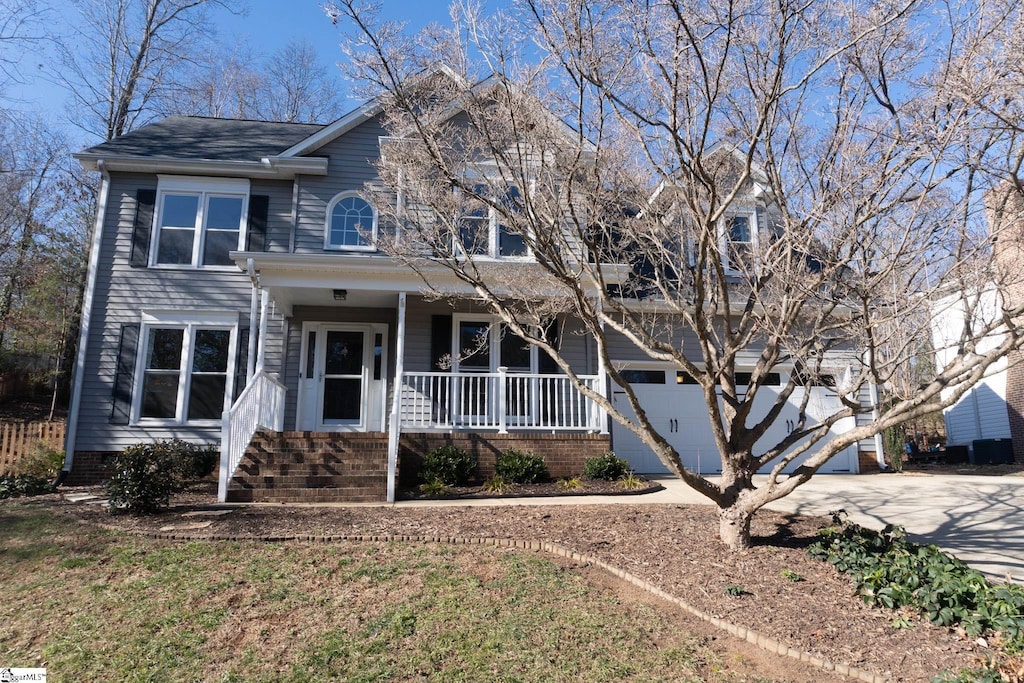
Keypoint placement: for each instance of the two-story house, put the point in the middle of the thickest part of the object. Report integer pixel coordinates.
(236, 288)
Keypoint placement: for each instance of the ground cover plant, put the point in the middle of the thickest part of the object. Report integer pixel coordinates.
(890, 571)
(91, 604)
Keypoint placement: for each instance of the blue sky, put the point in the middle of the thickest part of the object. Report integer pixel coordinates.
(266, 26)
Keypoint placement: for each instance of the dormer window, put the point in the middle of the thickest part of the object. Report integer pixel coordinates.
(351, 224)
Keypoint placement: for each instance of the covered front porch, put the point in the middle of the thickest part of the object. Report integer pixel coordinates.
(363, 351)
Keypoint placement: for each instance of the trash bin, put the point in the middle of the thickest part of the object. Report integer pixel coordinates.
(955, 454)
(992, 452)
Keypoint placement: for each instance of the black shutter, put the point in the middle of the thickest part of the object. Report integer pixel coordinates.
(124, 374)
(552, 333)
(440, 343)
(145, 203)
(259, 206)
(242, 364)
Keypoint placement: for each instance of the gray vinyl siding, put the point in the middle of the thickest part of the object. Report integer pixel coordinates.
(622, 349)
(350, 167)
(279, 213)
(121, 293)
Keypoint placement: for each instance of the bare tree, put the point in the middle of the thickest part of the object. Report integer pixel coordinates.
(21, 27)
(638, 134)
(125, 57)
(291, 85)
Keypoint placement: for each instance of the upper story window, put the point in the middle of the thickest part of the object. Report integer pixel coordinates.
(199, 221)
(738, 240)
(351, 223)
(482, 230)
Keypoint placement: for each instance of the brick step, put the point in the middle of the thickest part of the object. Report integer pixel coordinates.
(347, 494)
(310, 481)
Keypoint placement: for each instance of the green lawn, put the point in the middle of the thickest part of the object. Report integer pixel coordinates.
(96, 605)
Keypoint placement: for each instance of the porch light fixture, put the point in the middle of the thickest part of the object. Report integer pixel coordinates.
(340, 294)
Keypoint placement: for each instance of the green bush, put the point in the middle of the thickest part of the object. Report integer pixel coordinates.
(41, 462)
(192, 461)
(17, 485)
(608, 466)
(146, 474)
(892, 572)
(517, 467)
(448, 465)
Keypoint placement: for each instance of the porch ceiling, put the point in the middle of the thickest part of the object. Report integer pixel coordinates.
(285, 298)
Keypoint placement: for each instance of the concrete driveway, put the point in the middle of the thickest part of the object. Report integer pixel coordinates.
(978, 519)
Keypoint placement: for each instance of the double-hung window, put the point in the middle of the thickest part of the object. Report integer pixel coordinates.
(186, 363)
(485, 227)
(199, 221)
(738, 240)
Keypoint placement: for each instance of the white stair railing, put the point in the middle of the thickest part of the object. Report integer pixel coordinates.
(260, 406)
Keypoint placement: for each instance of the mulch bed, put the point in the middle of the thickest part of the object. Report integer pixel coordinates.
(585, 487)
(674, 547)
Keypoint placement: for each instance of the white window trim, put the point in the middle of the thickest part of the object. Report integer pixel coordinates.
(205, 188)
(493, 341)
(372, 246)
(750, 213)
(188, 320)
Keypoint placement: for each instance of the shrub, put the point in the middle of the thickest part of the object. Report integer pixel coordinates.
(146, 474)
(608, 466)
(449, 465)
(192, 461)
(41, 462)
(517, 467)
(16, 485)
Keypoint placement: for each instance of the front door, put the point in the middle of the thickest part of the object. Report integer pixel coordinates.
(343, 378)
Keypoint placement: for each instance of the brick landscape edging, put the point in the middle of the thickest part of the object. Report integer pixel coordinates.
(760, 640)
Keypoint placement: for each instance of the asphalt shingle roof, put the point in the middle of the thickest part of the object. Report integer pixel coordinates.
(191, 137)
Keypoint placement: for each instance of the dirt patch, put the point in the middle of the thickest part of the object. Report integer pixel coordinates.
(786, 595)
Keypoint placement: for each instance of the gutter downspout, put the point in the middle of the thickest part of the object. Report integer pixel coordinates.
(83, 330)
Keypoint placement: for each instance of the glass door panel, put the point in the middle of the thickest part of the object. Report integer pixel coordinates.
(343, 376)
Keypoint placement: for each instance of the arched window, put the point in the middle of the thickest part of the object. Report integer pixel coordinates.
(351, 223)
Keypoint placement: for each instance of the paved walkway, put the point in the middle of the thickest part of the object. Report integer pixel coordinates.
(978, 519)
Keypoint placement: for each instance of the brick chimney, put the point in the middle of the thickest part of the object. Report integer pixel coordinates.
(1005, 213)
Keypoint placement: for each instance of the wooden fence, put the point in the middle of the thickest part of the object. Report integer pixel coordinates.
(18, 440)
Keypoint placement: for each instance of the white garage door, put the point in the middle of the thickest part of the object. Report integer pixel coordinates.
(678, 411)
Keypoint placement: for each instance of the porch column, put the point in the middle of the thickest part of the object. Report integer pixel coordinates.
(395, 426)
(250, 358)
(602, 377)
(261, 355)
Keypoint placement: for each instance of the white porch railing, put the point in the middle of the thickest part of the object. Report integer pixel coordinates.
(260, 405)
(497, 400)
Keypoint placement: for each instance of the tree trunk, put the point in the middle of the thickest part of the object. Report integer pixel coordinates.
(734, 524)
